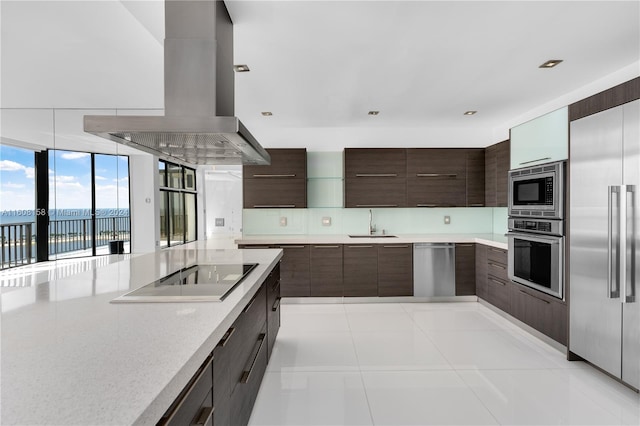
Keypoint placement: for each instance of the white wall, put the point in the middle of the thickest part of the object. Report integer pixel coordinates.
(145, 210)
(222, 199)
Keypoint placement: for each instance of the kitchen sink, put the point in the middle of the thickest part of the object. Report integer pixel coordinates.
(372, 236)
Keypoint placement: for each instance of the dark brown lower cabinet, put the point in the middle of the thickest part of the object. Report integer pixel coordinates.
(326, 271)
(273, 308)
(465, 269)
(395, 270)
(360, 267)
(544, 313)
(295, 271)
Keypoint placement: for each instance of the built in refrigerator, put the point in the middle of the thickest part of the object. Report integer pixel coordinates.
(604, 179)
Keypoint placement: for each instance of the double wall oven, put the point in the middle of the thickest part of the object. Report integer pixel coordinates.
(536, 227)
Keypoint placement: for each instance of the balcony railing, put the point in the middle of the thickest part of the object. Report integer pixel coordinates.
(68, 235)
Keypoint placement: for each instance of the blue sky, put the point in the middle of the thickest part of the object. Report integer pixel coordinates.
(69, 180)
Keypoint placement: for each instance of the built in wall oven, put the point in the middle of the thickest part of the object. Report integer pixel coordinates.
(536, 254)
(537, 191)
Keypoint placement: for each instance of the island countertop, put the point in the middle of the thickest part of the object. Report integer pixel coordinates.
(68, 356)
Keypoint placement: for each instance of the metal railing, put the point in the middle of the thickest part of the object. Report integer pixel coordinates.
(18, 241)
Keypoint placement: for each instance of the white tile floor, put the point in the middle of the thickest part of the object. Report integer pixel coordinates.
(427, 364)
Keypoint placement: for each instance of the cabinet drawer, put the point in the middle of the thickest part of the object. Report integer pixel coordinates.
(499, 293)
(273, 309)
(498, 270)
(539, 311)
(376, 192)
(195, 401)
(497, 255)
(275, 193)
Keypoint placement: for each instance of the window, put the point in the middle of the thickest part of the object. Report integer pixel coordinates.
(177, 204)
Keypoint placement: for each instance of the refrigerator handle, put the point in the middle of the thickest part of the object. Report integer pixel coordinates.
(629, 284)
(613, 244)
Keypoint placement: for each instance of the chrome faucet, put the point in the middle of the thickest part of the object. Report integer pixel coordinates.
(372, 227)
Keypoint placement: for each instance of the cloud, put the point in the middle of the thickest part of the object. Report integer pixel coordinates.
(100, 178)
(13, 185)
(12, 166)
(64, 179)
(74, 155)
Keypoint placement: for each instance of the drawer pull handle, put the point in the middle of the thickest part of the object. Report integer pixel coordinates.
(319, 247)
(360, 246)
(274, 176)
(271, 206)
(448, 175)
(276, 305)
(464, 245)
(497, 265)
(497, 281)
(535, 297)
(253, 299)
(497, 250)
(533, 161)
(376, 174)
(293, 247)
(205, 415)
(426, 205)
(376, 205)
(275, 285)
(246, 374)
(476, 205)
(226, 337)
(192, 384)
(404, 246)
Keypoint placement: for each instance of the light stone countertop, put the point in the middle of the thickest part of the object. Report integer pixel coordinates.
(494, 240)
(68, 356)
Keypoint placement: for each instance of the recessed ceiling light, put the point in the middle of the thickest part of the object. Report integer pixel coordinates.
(373, 112)
(241, 68)
(550, 63)
(266, 113)
(470, 112)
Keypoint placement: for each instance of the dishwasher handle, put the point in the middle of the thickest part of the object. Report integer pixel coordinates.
(434, 245)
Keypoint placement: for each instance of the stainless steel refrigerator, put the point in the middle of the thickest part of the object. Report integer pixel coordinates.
(603, 223)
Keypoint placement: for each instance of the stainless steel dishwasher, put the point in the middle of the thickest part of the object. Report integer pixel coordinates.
(434, 269)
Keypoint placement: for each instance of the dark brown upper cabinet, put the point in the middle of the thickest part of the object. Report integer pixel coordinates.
(497, 163)
(283, 184)
(375, 177)
(436, 177)
(475, 177)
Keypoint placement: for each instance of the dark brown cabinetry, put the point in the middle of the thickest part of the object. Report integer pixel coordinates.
(395, 270)
(375, 177)
(283, 184)
(498, 283)
(475, 178)
(497, 163)
(326, 270)
(295, 271)
(465, 269)
(360, 267)
(273, 308)
(481, 271)
(436, 177)
(540, 311)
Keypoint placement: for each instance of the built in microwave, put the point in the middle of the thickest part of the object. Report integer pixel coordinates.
(537, 191)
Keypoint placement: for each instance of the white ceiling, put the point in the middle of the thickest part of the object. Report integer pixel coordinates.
(319, 66)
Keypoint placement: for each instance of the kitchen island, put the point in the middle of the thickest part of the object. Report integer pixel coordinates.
(69, 356)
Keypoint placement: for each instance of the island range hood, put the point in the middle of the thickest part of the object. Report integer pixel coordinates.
(199, 126)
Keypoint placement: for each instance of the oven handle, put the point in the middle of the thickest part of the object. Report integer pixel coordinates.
(551, 239)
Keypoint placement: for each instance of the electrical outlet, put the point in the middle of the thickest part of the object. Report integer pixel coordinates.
(283, 221)
(326, 221)
(219, 221)
(447, 220)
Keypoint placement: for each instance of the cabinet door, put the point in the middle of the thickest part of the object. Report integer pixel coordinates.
(540, 311)
(274, 193)
(490, 176)
(374, 162)
(436, 177)
(395, 270)
(541, 140)
(326, 271)
(502, 173)
(371, 191)
(273, 308)
(481, 271)
(295, 272)
(465, 269)
(291, 163)
(475, 178)
(196, 401)
(360, 270)
(499, 293)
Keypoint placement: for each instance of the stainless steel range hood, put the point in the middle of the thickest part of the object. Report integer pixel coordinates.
(199, 126)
